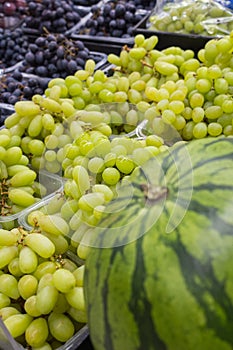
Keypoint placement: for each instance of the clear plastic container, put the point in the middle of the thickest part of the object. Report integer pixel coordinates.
(52, 183)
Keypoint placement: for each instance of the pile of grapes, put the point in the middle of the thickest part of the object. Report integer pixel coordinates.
(16, 86)
(13, 47)
(115, 19)
(195, 17)
(54, 55)
(56, 16)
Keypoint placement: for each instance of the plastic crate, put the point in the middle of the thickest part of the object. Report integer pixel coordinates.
(167, 39)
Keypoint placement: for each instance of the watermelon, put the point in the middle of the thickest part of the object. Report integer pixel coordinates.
(159, 275)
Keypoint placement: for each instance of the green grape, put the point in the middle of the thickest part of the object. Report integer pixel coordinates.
(179, 123)
(37, 332)
(40, 244)
(4, 140)
(47, 121)
(8, 311)
(53, 224)
(227, 106)
(228, 130)
(124, 164)
(12, 120)
(8, 238)
(111, 176)
(79, 275)
(214, 72)
(2, 153)
(60, 242)
(221, 86)
(43, 268)
(196, 100)
(15, 141)
(62, 305)
(35, 126)
(198, 114)
(51, 141)
(168, 116)
(229, 77)
(46, 299)
(105, 95)
(23, 178)
(69, 208)
(187, 132)
(176, 106)
(30, 306)
(203, 85)
(17, 324)
(90, 200)
(96, 165)
(75, 220)
(14, 269)
(27, 286)
(224, 44)
(68, 109)
(101, 188)
(71, 151)
(7, 254)
(20, 197)
(102, 146)
(60, 326)
(28, 108)
(77, 315)
(50, 156)
(220, 99)
(28, 260)
(4, 300)
(200, 130)
(213, 112)
(165, 68)
(110, 159)
(12, 156)
(50, 106)
(9, 286)
(64, 280)
(75, 298)
(119, 150)
(214, 129)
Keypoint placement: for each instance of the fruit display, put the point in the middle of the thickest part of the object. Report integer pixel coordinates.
(159, 273)
(192, 17)
(134, 215)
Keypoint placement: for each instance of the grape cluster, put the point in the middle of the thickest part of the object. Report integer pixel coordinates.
(115, 19)
(54, 55)
(57, 16)
(16, 87)
(205, 18)
(41, 287)
(19, 187)
(13, 47)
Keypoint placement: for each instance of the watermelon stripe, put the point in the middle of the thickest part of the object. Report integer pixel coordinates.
(188, 263)
(108, 344)
(140, 306)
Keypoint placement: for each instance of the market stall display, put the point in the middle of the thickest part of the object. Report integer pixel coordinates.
(134, 133)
